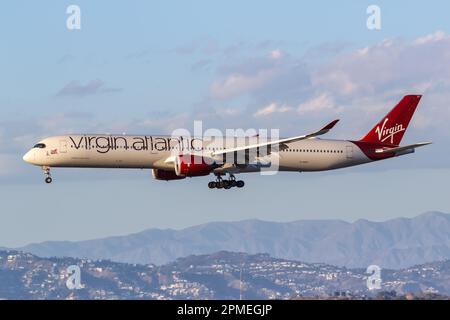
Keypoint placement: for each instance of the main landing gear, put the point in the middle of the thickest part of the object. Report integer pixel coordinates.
(225, 184)
(48, 176)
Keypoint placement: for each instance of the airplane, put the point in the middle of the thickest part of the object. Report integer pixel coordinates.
(178, 157)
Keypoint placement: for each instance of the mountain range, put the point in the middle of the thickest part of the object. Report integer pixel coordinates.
(395, 244)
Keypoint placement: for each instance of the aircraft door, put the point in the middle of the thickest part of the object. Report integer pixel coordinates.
(63, 146)
(349, 152)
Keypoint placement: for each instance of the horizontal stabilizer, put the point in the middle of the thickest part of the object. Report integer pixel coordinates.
(402, 148)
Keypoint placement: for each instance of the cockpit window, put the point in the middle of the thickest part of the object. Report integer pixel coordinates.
(40, 146)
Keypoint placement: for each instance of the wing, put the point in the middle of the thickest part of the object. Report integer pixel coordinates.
(280, 142)
(403, 148)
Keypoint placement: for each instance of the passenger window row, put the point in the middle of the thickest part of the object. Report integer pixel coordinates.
(314, 150)
(214, 149)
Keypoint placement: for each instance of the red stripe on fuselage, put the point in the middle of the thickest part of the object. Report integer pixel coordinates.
(368, 148)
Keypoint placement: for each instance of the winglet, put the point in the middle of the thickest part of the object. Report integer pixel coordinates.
(329, 126)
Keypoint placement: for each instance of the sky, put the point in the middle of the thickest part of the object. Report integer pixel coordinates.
(150, 67)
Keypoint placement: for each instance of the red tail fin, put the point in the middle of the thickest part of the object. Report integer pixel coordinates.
(392, 127)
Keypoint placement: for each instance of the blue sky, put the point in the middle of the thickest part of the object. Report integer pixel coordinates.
(151, 67)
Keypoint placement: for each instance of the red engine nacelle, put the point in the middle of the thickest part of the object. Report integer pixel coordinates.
(165, 175)
(193, 166)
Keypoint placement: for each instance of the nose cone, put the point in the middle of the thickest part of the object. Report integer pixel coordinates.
(29, 157)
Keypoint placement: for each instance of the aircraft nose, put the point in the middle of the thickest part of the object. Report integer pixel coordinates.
(28, 157)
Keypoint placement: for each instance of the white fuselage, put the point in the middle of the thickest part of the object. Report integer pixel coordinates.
(152, 152)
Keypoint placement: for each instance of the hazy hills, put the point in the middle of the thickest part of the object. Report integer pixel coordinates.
(221, 275)
(396, 243)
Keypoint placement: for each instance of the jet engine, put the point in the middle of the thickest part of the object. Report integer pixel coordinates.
(193, 166)
(167, 175)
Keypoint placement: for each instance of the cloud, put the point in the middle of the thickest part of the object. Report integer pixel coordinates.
(351, 82)
(77, 89)
(337, 80)
(319, 103)
(359, 83)
(273, 76)
(201, 64)
(271, 108)
(392, 65)
(20, 134)
(162, 122)
(433, 37)
(228, 112)
(249, 75)
(324, 51)
(276, 54)
(237, 84)
(208, 47)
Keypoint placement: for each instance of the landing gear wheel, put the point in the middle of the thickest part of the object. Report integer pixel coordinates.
(218, 184)
(48, 176)
(225, 184)
(212, 184)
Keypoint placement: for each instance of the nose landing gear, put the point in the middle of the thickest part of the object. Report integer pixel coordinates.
(225, 184)
(48, 176)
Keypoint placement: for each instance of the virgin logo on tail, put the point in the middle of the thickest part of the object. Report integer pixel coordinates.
(391, 128)
(386, 133)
